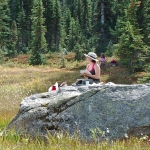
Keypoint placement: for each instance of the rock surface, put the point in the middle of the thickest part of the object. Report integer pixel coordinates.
(110, 111)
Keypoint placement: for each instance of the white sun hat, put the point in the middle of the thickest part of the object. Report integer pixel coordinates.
(91, 55)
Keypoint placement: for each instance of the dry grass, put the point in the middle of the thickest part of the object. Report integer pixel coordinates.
(17, 83)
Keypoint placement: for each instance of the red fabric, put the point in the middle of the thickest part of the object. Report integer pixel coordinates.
(113, 61)
(92, 67)
(53, 88)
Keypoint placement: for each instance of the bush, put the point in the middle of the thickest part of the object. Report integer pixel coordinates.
(145, 79)
(1, 56)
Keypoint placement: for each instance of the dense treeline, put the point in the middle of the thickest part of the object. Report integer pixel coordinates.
(120, 27)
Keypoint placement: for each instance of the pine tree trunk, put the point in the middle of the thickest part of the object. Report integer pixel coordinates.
(102, 16)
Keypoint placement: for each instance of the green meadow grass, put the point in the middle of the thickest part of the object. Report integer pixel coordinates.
(18, 80)
(65, 142)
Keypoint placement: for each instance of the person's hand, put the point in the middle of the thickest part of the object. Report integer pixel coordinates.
(82, 74)
(85, 75)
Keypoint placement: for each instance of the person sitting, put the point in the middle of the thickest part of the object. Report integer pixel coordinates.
(102, 60)
(92, 67)
(65, 52)
(113, 63)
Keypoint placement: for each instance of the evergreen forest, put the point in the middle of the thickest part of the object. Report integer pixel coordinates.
(115, 27)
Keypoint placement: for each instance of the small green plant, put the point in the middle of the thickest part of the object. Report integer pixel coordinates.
(97, 133)
(11, 136)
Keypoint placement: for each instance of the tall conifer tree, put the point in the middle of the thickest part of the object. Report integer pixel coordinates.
(101, 23)
(67, 19)
(130, 47)
(72, 33)
(22, 30)
(57, 23)
(71, 5)
(38, 44)
(4, 24)
(78, 11)
(144, 20)
(14, 8)
(13, 39)
(27, 6)
(86, 16)
(49, 14)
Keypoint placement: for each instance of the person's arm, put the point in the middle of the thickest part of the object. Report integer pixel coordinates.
(84, 74)
(87, 66)
(97, 73)
(100, 60)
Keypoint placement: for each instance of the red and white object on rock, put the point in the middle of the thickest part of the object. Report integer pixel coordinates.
(54, 88)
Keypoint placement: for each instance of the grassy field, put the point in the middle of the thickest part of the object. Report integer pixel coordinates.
(19, 80)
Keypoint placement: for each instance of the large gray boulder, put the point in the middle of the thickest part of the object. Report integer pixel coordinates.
(109, 111)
